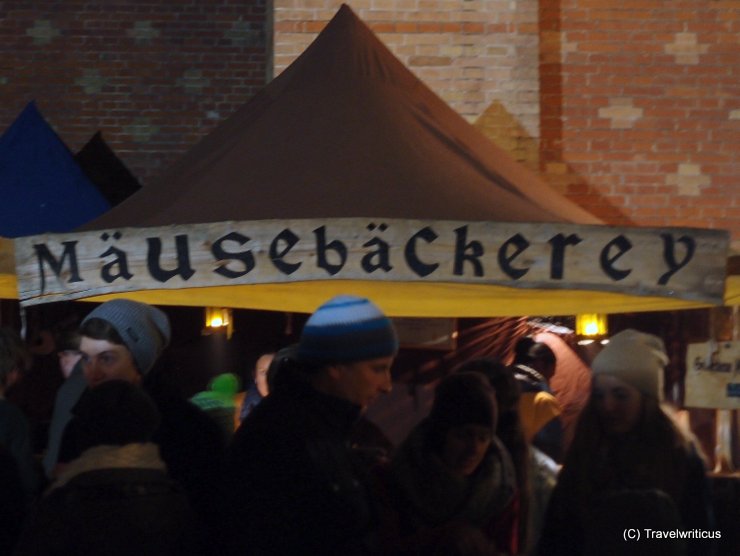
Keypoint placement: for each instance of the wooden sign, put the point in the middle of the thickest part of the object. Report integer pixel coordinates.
(673, 262)
(713, 375)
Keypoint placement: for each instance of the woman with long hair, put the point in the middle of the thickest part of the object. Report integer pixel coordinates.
(626, 443)
(509, 430)
(536, 472)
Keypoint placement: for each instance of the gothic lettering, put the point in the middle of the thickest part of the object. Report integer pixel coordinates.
(221, 254)
(154, 253)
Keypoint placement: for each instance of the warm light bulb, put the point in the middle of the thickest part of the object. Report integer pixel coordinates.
(591, 325)
(219, 319)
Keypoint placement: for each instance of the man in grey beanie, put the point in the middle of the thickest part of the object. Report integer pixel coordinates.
(122, 339)
(119, 340)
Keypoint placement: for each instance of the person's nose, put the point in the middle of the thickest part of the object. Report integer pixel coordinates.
(93, 372)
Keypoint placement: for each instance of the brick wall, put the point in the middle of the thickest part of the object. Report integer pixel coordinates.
(153, 76)
(641, 109)
(630, 108)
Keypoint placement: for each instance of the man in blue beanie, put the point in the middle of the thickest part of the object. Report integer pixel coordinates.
(297, 486)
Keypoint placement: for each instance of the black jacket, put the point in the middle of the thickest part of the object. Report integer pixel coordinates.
(192, 446)
(111, 512)
(296, 485)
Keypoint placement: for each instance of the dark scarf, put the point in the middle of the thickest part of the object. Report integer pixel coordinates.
(437, 495)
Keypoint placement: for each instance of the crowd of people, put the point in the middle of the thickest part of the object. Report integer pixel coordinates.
(293, 467)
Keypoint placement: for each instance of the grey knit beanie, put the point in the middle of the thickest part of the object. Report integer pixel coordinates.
(144, 329)
(636, 358)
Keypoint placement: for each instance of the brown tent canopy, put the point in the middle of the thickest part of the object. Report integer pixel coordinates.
(347, 130)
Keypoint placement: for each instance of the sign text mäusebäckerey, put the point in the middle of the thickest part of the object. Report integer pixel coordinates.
(677, 262)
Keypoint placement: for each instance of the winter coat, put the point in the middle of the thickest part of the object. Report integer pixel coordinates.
(111, 501)
(193, 448)
(296, 485)
(571, 525)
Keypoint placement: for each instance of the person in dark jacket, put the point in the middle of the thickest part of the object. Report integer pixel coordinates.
(536, 472)
(122, 340)
(453, 471)
(116, 497)
(626, 447)
(296, 485)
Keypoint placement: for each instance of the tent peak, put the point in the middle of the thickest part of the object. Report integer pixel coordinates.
(44, 190)
(347, 48)
(346, 130)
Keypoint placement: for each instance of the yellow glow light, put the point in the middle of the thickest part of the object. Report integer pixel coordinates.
(219, 319)
(591, 325)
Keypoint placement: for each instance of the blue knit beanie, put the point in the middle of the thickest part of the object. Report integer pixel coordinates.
(344, 329)
(144, 329)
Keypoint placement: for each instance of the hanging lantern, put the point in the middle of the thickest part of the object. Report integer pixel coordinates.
(591, 327)
(219, 320)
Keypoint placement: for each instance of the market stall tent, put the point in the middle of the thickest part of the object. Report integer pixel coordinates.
(348, 132)
(108, 172)
(41, 186)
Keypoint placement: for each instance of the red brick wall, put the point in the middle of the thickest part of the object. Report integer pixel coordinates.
(640, 109)
(153, 76)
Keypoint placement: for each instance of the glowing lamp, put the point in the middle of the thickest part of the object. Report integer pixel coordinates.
(219, 320)
(591, 327)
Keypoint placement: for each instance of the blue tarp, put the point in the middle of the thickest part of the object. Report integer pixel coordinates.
(42, 188)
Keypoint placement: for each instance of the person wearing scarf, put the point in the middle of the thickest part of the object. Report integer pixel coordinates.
(116, 497)
(452, 473)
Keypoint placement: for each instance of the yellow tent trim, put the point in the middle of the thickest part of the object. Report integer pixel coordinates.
(418, 299)
(8, 286)
(732, 290)
(409, 299)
